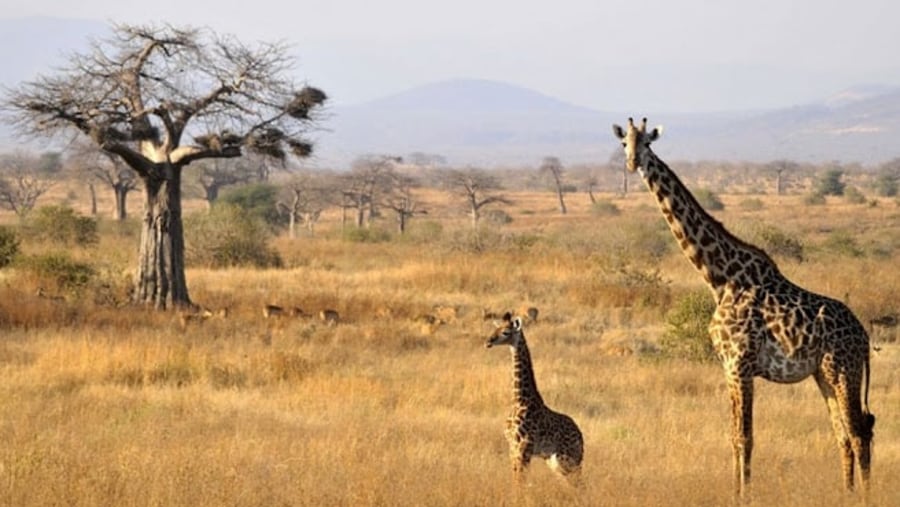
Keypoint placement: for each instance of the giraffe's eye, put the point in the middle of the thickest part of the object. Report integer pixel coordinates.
(623, 144)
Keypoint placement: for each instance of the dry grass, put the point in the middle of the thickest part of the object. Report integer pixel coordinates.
(106, 406)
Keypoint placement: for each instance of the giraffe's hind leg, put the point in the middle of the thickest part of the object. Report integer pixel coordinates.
(852, 428)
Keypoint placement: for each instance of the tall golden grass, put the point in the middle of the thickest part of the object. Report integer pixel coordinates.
(121, 406)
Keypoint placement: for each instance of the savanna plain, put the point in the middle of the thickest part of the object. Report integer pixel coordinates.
(400, 403)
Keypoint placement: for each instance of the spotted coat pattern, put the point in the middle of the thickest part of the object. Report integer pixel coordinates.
(764, 325)
(532, 428)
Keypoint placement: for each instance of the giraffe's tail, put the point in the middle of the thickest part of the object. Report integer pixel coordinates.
(869, 416)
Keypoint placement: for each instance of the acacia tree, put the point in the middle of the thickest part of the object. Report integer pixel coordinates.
(553, 167)
(401, 201)
(159, 98)
(477, 187)
(304, 198)
(216, 174)
(24, 178)
(368, 179)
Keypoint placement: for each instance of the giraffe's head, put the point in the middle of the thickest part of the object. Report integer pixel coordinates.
(509, 333)
(636, 142)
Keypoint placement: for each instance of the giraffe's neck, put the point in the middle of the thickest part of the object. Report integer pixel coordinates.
(525, 391)
(719, 256)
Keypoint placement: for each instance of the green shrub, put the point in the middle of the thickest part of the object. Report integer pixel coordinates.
(258, 201)
(886, 184)
(814, 199)
(366, 235)
(842, 243)
(687, 336)
(830, 183)
(708, 199)
(773, 240)
(9, 246)
(227, 236)
(752, 204)
(63, 226)
(58, 268)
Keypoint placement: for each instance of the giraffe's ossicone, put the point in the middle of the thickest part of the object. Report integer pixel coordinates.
(764, 324)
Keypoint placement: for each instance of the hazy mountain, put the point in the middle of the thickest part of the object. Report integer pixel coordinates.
(484, 122)
(478, 122)
(467, 121)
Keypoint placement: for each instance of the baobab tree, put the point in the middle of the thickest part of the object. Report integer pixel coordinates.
(553, 167)
(160, 98)
(780, 167)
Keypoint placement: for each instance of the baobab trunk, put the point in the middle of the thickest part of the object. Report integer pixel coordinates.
(160, 279)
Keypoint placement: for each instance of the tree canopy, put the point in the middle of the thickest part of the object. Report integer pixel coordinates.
(159, 98)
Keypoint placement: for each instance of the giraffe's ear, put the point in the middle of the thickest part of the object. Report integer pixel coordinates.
(517, 323)
(619, 131)
(655, 133)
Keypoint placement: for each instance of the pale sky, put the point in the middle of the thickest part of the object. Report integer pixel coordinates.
(658, 55)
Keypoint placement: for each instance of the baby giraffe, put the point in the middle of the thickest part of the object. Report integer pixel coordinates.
(533, 429)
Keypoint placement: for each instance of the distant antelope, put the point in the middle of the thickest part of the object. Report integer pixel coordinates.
(429, 323)
(487, 314)
(195, 316)
(446, 313)
(530, 312)
(43, 295)
(329, 316)
(272, 311)
(889, 320)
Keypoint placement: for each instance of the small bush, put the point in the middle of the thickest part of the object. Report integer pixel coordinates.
(886, 184)
(498, 217)
(814, 199)
(228, 236)
(774, 241)
(752, 204)
(708, 199)
(58, 268)
(366, 235)
(258, 201)
(842, 243)
(605, 208)
(9, 246)
(687, 335)
(830, 183)
(854, 196)
(63, 226)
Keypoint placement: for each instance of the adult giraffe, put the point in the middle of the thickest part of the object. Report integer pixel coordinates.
(764, 325)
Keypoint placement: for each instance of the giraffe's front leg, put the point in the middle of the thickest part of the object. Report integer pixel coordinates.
(741, 390)
(520, 452)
